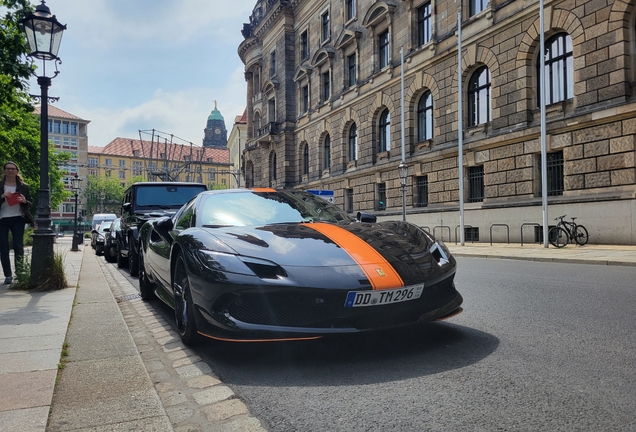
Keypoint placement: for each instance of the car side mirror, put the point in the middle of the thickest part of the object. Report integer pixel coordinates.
(127, 206)
(366, 217)
(163, 226)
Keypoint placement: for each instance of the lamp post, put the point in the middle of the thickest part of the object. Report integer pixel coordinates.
(76, 186)
(44, 34)
(404, 172)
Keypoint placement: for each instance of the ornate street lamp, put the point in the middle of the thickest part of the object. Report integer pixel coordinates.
(76, 238)
(44, 34)
(403, 169)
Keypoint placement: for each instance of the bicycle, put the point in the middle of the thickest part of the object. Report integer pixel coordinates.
(565, 231)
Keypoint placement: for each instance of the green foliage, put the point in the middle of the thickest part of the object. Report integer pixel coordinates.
(56, 278)
(216, 186)
(103, 195)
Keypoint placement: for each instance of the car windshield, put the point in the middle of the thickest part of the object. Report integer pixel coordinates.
(166, 197)
(257, 208)
(103, 226)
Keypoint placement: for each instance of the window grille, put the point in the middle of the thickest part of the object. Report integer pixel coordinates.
(421, 185)
(476, 183)
(381, 204)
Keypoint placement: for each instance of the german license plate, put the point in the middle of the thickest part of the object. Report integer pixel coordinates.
(383, 297)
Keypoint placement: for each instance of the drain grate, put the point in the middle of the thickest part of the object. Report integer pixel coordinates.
(127, 297)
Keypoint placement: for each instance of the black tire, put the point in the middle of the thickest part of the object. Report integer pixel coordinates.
(133, 259)
(183, 305)
(580, 235)
(109, 255)
(558, 237)
(146, 288)
(121, 262)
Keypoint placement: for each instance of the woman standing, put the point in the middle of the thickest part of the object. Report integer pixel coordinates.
(14, 214)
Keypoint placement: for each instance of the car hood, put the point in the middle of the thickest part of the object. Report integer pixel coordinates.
(401, 244)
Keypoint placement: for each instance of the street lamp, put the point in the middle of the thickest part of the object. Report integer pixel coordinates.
(403, 169)
(76, 240)
(44, 34)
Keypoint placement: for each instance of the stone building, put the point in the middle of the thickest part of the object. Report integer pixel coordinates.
(324, 110)
(236, 144)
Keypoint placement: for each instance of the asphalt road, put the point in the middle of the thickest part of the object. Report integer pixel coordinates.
(540, 346)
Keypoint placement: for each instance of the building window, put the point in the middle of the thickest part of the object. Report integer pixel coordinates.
(479, 97)
(272, 167)
(326, 87)
(211, 174)
(136, 153)
(65, 128)
(122, 174)
(122, 163)
(421, 186)
(256, 123)
(73, 129)
(425, 117)
(350, 8)
(271, 110)
(476, 183)
(351, 66)
(385, 131)
(136, 168)
(559, 69)
(477, 6)
(304, 46)
(554, 171)
(424, 27)
(92, 172)
(349, 200)
(381, 204)
(306, 159)
(353, 143)
(326, 31)
(327, 152)
(305, 98)
(109, 162)
(92, 162)
(272, 63)
(383, 46)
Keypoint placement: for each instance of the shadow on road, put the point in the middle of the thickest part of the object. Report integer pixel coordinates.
(350, 360)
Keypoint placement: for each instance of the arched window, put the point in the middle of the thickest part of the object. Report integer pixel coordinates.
(256, 123)
(559, 69)
(425, 117)
(353, 143)
(479, 97)
(272, 167)
(327, 152)
(305, 159)
(385, 131)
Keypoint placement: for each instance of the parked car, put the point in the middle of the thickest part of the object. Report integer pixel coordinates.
(143, 201)
(262, 264)
(98, 237)
(110, 241)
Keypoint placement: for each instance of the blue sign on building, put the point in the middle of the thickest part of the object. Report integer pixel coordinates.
(324, 194)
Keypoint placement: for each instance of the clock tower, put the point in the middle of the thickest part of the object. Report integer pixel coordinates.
(215, 132)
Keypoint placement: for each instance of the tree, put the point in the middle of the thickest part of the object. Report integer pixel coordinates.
(104, 194)
(19, 127)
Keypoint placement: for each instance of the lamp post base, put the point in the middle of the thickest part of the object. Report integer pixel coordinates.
(76, 242)
(42, 258)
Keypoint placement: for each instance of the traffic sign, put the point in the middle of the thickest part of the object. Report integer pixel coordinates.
(324, 194)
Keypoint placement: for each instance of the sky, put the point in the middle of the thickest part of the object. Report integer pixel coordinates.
(131, 65)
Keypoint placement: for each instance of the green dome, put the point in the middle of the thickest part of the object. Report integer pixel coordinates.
(215, 114)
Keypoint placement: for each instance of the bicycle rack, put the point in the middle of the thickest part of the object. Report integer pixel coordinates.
(527, 224)
(443, 226)
(502, 225)
(465, 226)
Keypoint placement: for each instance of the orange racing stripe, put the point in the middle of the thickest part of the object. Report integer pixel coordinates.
(378, 270)
(263, 190)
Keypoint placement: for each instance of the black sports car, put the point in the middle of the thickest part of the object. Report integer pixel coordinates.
(265, 264)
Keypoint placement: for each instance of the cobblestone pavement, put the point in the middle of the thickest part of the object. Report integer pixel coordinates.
(193, 397)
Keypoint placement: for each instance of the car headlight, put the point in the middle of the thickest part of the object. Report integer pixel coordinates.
(100, 237)
(219, 261)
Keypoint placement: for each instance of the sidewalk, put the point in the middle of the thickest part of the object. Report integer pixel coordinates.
(106, 383)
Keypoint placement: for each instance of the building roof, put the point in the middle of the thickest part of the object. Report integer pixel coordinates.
(58, 113)
(215, 114)
(242, 119)
(125, 147)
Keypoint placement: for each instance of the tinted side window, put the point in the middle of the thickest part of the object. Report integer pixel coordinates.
(185, 218)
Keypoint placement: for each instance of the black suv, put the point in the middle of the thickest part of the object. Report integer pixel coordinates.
(144, 201)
